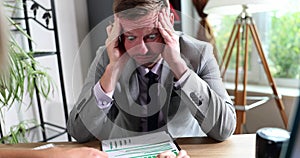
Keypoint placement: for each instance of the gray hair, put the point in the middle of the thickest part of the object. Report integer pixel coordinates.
(133, 9)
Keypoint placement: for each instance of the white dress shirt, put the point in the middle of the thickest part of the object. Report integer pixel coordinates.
(105, 100)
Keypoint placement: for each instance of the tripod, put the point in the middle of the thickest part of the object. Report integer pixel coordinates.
(245, 23)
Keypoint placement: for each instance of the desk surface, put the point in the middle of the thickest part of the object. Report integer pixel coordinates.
(236, 146)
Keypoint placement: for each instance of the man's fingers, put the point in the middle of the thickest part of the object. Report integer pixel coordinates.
(166, 154)
(164, 33)
(108, 29)
(183, 154)
(164, 18)
(116, 26)
(166, 28)
(169, 154)
(164, 24)
(113, 30)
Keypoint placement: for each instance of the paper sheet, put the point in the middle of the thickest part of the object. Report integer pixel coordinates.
(139, 146)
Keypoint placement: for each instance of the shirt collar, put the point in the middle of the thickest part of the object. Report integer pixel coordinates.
(156, 68)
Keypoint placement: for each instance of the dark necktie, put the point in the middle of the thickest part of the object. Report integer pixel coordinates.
(152, 80)
(152, 120)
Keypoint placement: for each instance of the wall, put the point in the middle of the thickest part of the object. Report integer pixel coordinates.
(268, 115)
(72, 29)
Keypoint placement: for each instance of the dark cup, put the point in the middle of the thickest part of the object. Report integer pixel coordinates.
(269, 142)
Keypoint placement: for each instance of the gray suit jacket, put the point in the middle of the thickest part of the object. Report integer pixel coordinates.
(201, 106)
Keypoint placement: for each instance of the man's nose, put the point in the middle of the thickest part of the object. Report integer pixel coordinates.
(142, 47)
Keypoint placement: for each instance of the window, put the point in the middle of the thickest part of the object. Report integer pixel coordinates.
(280, 38)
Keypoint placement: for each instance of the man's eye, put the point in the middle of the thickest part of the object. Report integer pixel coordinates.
(152, 36)
(130, 38)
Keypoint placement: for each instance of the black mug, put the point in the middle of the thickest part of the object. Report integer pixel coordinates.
(269, 142)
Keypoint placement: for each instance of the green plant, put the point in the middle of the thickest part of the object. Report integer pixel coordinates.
(222, 32)
(24, 77)
(285, 45)
(24, 74)
(18, 132)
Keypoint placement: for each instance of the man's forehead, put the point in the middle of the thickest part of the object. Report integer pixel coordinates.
(148, 21)
(143, 30)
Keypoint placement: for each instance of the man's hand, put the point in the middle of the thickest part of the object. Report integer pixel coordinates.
(171, 51)
(117, 57)
(169, 154)
(114, 48)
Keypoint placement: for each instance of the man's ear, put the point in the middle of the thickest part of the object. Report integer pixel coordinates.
(172, 18)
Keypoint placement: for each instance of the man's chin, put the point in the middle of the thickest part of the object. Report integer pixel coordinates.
(147, 64)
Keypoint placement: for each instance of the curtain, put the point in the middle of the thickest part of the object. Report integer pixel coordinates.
(205, 32)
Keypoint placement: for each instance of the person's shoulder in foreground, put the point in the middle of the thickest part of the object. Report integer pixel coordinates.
(55, 152)
(65, 152)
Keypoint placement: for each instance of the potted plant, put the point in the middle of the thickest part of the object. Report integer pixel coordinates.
(23, 78)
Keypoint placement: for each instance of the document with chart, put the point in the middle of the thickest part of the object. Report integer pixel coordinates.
(148, 145)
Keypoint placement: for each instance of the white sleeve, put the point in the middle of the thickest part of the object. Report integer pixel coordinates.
(182, 79)
(104, 100)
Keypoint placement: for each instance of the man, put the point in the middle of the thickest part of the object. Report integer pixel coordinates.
(57, 152)
(185, 95)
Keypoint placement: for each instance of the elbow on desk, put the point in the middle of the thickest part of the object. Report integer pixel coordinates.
(219, 136)
(223, 133)
(81, 137)
(79, 133)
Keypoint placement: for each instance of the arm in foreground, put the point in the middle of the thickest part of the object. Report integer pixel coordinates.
(55, 152)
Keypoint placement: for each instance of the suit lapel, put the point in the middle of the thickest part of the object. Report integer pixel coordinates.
(189, 53)
(128, 91)
(129, 81)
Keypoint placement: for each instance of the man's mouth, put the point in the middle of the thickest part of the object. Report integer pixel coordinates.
(143, 57)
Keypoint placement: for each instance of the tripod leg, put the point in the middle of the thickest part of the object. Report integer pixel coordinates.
(227, 46)
(231, 48)
(240, 115)
(268, 73)
(237, 63)
(240, 96)
(246, 55)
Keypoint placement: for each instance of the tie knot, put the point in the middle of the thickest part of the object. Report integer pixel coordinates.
(151, 75)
